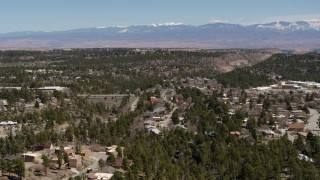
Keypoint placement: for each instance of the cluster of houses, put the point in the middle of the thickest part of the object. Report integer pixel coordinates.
(293, 120)
(74, 160)
(22, 105)
(153, 119)
(291, 101)
(164, 106)
(119, 156)
(203, 84)
(291, 85)
(117, 165)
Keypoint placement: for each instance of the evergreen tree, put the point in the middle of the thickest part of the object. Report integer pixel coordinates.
(45, 163)
(101, 163)
(19, 167)
(175, 117)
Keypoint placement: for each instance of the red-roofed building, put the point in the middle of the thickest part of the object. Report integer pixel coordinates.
(153, 100)
(298, 127)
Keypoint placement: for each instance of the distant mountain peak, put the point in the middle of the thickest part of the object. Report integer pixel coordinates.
(292, 26)
(105, 27)
(168, 24)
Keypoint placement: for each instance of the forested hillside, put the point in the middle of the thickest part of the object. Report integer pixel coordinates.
(183, 155)
(303, 67)
(178, 154)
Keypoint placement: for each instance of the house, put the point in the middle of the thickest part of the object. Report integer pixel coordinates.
(209, 133)
(296, 111)
(183, 105)
(112, 150)
(50, 88)
(155, 130)
(177, 98)
(235, 133)
(17, 88)
(153, 100)
(31, 157)
(304, 157)
(157, 118)
(54, 163)
(298, 127)
(149, 122)
(37, 147)
(303, 134)
(235, 100)
(181, 127)
(69, 150)
(48, 145)
(40, 147)
(267, 132)
(148, 114)
(99, 176)
(151, 128)
(118, 163)
(75, 161)
(86, 154)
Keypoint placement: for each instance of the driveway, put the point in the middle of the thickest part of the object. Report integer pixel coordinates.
(96, 156)
(95, 166)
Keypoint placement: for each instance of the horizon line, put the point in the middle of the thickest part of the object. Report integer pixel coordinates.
(157, 25)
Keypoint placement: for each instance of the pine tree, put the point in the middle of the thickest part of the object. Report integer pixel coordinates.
(101, 163)
(45, 162)
(175, 117)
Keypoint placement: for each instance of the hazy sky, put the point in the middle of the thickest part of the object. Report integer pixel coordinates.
(52, 15)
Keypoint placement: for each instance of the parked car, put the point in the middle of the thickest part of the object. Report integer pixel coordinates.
(89, 170)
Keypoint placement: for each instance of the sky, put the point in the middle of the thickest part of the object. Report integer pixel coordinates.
(57, 15)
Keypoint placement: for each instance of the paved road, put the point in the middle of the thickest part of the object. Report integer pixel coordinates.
(134, 104)
(75, 171)
(167, 121)
(312, 124)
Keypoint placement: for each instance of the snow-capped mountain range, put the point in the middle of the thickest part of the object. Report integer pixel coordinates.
(300, 34)
(292, 26)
